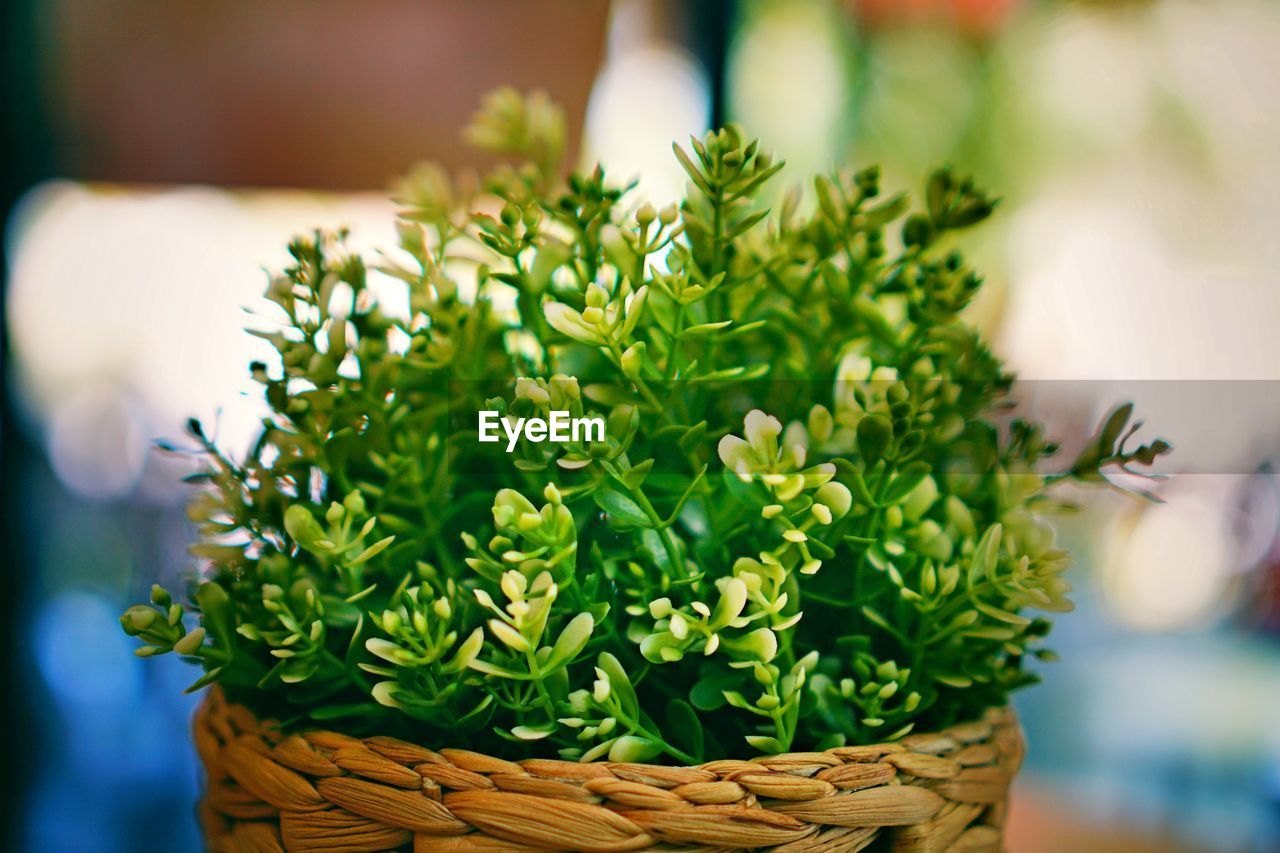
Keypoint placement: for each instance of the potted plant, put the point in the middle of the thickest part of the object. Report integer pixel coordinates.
(578, 524)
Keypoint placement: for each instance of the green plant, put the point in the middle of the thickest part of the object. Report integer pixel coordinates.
(808, 522)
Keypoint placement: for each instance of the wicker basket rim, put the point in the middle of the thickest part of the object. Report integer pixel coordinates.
(275, 790)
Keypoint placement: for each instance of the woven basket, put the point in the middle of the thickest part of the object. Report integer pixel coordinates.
(320, 790)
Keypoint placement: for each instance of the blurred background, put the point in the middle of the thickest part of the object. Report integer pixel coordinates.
(158, 155)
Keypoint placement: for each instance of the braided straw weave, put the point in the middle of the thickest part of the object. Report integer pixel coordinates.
(320, 790)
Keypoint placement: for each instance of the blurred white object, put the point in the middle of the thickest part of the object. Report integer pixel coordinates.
(1170, 567)
(788, 84)
(126, 310)
(1144, 246)
(649, 93)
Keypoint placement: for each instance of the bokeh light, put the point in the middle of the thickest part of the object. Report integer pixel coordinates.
(789, 82)
(141, 327)
(649, 93)
(1169, 568)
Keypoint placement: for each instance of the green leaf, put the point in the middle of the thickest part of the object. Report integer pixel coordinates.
(1001, 615)
(534, 732)
(684, 726)
(752, 493)
(747, 224)
(302, 527)
(694, 173)
(704, 329)
(744, 328)
(630, 749)
(652, 547)
(904, 482)
(362, 594)
(767, 745)
(937, 189)
(874, 434)
(299, 669)
(619, 683)
(621, 507)
(218, 612)
(853, 479)
(204, 680)
(497, 670)
(598, 750)
(708, 692)
(693, 437)
(634, 478)
(338, 613)
(1114, 426)
(875, 618)
(372, 551)
(877, 323)
(572, 640)
(688, 493)
(354, 709)
(884, 212)
(985, 555)
(827, 198)
(356, 645)
(478, 715)
(989, 633)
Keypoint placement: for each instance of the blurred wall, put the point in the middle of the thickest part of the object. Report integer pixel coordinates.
(305, 93)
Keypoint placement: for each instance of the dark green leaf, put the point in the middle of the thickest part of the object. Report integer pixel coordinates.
(904, 482)
(684, 727)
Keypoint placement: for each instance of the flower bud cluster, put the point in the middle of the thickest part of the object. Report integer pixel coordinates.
(159, 627)
(421, 630)
(294, 631)
(880, 694)
(608, 319)
(801, 502)
(778, 699)
(609, 715)
(340, 541)
(528, 539)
